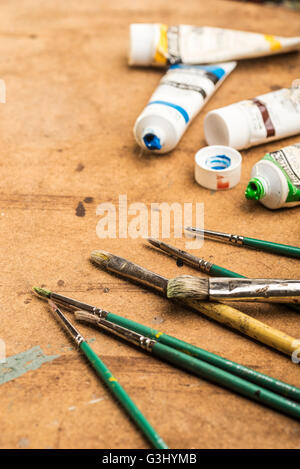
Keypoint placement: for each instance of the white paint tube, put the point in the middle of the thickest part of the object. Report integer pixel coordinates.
(275, 179)
(251, 122)
(181, 94)
(161, 45)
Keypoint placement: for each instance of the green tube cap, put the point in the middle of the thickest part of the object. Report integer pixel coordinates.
(255, 189)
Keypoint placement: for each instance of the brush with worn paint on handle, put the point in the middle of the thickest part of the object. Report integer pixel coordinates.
(201, 264)
(222, 313)
(238, 289)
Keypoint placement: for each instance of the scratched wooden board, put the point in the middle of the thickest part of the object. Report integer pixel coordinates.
(66, 147)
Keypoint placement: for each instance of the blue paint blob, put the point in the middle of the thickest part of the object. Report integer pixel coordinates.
(152, 142)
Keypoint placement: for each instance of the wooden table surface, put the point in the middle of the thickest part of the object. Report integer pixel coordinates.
(66, 147)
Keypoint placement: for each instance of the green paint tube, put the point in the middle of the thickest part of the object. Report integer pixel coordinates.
(275, 179)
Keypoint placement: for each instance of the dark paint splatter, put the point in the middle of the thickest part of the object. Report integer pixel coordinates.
(179, 263)
(79, 168)
(60, 283)
(88, 200)
(80, 210)
(106, 290)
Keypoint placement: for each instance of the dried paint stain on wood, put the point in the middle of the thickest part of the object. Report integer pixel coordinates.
(21, 363)
(80, 210)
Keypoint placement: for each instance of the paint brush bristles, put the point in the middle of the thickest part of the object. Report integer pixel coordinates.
(201, 264)
(42, 292)
(187, 286)
(222, 313)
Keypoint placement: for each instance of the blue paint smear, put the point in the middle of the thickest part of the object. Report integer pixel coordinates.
(18, 365)
(218, 162)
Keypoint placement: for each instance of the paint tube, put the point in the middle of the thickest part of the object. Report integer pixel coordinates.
(254, 121)
(181, 94)
(161, 45)
(275, 180)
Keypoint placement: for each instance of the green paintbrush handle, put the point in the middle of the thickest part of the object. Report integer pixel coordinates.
(222, 378)
(123, 398)
(231, 367)
(218, 271)
(277, 248)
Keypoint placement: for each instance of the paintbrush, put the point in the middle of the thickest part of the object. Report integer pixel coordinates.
(238, 289)
(110, 381)
(222, 313)
(279, 387)
(194, 261)
(195, 366)
(277, 248)
(201, 264)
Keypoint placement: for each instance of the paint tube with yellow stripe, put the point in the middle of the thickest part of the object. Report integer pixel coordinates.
(162, 45)
(181, 94)
(267, 117)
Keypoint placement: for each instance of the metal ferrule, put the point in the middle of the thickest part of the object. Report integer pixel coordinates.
(236, 239)
(204, 265)
(225, 237)
(261, 290)
(218, 235)
(72, 331)
(188, 258)
(100, 313)
(130, 336)
(71, 303)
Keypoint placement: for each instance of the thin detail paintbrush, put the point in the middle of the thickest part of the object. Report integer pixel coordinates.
(238, 289)
(277, 248)
(222, 313)
(279, 387)
(110, 381)
(196, 366)
(194, 261)
(201, 264)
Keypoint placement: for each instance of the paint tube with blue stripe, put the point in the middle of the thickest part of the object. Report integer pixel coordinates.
(181, 94)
